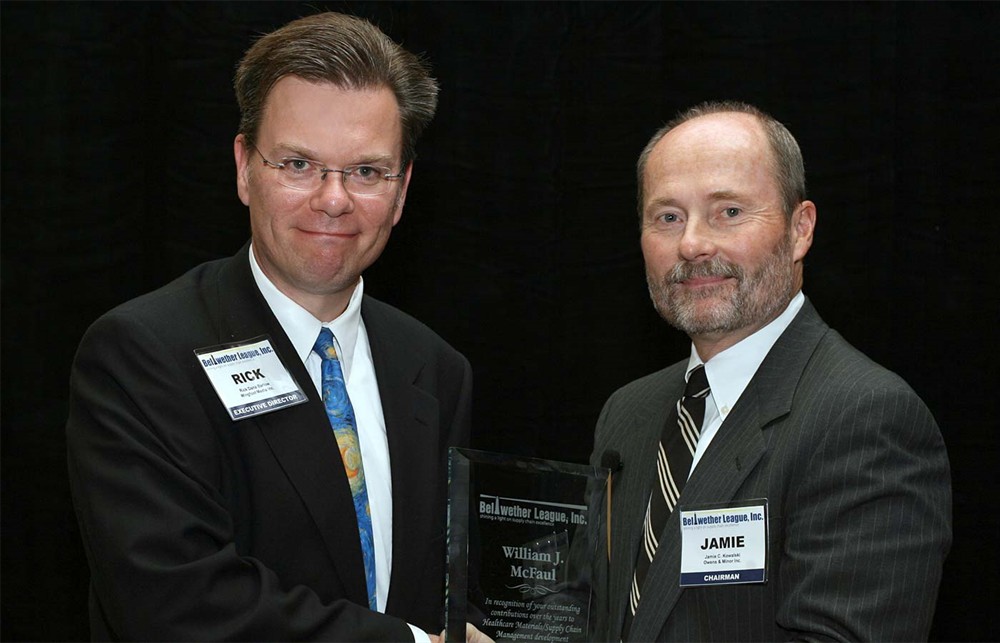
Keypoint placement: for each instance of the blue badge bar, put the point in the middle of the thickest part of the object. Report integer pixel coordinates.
(723, 577)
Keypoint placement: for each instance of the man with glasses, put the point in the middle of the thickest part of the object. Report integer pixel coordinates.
(258, 449)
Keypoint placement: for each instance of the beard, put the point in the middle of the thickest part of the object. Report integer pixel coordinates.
(759, 296)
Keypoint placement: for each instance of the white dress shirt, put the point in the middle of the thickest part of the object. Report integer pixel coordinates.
(730, 372)
(354, 352)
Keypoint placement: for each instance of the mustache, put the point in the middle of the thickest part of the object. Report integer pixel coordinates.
(716, 267)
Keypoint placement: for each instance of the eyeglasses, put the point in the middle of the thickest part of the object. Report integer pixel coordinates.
(306, 175)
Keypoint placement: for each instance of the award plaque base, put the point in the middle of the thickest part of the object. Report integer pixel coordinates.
(521, 538)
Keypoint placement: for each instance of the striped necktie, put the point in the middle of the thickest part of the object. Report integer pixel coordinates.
(341, 415)
(673, 463)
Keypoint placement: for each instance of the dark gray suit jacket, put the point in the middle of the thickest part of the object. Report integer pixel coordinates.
(856, 476)
(197, 527)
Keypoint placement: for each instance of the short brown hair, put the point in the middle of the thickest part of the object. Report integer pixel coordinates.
(344, 50)
(786, 156)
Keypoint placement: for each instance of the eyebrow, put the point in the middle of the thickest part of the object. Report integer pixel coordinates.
(386, 159)
(295, 150)
(717, 195)
(661, 201)
(721, 195)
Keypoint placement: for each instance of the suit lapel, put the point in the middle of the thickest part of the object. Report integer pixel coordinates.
(735, 451)
(631, 493)
(411, 421)
(299, 437)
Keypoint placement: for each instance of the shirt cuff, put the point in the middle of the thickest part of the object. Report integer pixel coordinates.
(419, 635)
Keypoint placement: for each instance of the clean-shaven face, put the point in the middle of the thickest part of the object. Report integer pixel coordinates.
(315, 244)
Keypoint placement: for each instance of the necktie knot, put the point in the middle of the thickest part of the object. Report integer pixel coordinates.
(324, 344)
(697, 385)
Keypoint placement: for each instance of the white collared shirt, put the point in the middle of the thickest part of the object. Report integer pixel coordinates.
(730, 372)
(354, 352)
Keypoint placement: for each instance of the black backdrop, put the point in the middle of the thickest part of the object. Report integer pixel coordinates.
(519, 241)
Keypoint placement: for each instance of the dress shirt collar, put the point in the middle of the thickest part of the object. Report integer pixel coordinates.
(730, 371)
(302, 328)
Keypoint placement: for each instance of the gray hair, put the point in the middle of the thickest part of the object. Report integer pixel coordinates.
(786, 157)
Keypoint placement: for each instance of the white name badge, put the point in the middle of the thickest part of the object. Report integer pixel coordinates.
(249, 378)
(724, 544)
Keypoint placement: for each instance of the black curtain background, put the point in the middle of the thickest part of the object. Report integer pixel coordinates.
(519, 242)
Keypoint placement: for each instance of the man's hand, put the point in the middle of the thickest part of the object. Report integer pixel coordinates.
(472, 635)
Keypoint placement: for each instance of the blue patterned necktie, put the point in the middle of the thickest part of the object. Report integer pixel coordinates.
(341, 414)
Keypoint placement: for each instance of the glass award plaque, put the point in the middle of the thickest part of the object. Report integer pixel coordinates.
(522, 534)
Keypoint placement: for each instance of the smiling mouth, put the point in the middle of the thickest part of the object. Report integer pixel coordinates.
(329, 234)
(698, 282)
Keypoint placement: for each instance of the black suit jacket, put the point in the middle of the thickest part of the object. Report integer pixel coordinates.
(856, 477)
(199, 527)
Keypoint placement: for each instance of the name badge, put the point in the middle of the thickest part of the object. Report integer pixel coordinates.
(724, 544)
(249, 378)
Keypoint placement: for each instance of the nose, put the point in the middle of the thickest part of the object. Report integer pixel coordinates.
(331, 197)
(698, 241)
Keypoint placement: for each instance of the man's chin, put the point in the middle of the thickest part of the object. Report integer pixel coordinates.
(700, 317)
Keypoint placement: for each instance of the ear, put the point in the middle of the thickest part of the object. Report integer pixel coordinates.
(803, 225)
(401, 195)
(243, 154)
